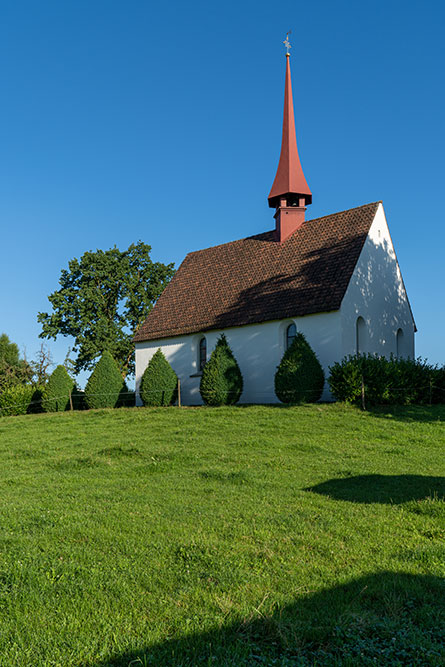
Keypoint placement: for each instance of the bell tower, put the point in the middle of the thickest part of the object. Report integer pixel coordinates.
(290, 193)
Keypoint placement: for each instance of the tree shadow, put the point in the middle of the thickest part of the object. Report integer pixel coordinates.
(386, 489)
(381, 618)
(293, 282)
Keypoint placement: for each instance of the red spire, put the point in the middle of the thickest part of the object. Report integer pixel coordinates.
(289, 179)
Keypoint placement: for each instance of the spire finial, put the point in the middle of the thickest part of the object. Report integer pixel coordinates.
(287, 43)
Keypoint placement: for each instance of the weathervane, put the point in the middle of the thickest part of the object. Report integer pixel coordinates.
(286, 42)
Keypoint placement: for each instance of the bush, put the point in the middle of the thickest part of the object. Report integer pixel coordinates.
(299, 377)
(16, 400)
(56, 396)
(159, 382)
(105, 386)
(221, 381)
(386, 381)
(439, 385)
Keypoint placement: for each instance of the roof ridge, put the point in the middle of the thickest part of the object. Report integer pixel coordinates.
(346, 210)
(271, 231)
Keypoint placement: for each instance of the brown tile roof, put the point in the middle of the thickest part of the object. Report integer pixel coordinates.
(258, 279)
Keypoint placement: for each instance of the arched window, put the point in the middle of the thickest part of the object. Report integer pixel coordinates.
(400, 343)
(291, 332)
(202, 354)
(360, 336)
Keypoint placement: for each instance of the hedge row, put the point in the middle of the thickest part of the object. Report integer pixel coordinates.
(105, 388)
(221, 381)
(299, 378)
(387, 381)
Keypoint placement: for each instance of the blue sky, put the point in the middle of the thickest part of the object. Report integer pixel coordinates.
(135, 120)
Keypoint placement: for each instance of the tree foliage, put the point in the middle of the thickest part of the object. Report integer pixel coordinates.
(221, 381)
(105, 387)
(159, 382)
(60, 386)
(103, 299)
(13, 370)
(299, 377)
(9, 352)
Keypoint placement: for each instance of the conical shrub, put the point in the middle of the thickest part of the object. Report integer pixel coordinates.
(299, 377)
(221, 381)
(105, 387)
(159, 382)
(56, 395)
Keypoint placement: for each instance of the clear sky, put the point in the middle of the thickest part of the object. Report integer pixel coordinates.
(159, 121)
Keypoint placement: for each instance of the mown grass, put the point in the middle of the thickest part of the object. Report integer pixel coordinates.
(225, 536)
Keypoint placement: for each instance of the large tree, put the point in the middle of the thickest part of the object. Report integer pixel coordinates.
(13, 370)
(103, 299)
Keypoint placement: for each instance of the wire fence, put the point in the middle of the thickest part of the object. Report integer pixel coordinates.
(75, 401)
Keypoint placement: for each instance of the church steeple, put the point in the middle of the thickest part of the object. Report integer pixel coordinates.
(290, 193)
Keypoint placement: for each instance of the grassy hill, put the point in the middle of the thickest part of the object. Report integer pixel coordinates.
(226, 536)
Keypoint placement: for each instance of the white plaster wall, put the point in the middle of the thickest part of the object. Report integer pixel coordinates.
(377, 294)
(258, 349)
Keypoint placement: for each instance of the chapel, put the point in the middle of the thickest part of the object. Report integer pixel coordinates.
(336, 279)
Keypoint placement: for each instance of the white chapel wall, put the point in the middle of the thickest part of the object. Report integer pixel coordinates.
(258, 349)
(377, 295)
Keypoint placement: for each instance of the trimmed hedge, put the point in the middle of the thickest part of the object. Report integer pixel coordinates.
(105, 387)
(387, 381)
(56, 397)
(20, 399)
(299, 377)
(159, 382)
(221, 381)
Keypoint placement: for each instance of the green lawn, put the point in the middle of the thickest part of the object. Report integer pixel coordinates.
(224, 536)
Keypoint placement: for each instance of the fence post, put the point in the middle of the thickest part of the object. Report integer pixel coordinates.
(363, 394)
(71, 402)
(179, 393)
(431, 389)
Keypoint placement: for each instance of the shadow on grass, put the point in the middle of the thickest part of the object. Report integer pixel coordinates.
(404, 413)
(410, 413)
(390, 489)
(382, 618)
